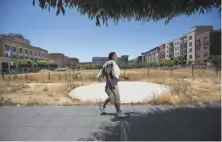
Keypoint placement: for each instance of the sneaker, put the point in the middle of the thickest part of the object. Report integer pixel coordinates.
(120, 114)
(102, 109)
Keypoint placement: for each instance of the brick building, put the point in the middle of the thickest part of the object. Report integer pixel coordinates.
(208, 44)
(14, 47)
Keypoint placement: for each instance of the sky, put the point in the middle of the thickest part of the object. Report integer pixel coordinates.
(77, 36)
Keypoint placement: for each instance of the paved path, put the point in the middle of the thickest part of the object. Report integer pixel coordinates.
(58, 123)
(129, 91)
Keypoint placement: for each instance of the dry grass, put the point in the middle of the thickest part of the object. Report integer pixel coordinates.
(52, 89)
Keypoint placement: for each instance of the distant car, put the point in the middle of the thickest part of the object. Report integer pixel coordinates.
(60, 69)
(44, 70)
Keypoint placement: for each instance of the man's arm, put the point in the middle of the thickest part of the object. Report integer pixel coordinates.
(108, 78)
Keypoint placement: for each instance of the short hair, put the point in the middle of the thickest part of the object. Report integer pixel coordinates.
(111, 54)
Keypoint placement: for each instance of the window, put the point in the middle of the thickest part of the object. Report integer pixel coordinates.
(6, 47)
(39, 54)
(20, 57)
(206, 41)
(13, 49)
(190, 56)
(205, 47)
(190, 43)
(14, 56)
(190, 37)
(198, 42)
(35, 53)
(20, 50)
(205, 54)
(167, 56)
(30, 53)
(42, 54)
(26, 57)
(26, 51)
(6, 55)
(190, 50)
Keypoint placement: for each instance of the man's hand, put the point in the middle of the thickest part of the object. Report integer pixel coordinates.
(112, 87)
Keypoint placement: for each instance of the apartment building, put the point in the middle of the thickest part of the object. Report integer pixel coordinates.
(19, 48)
(73, 61)
(152, 55)
(176, 44)
(162, 52)
(14, 47)
(102, 60)
(137, 60)
(169, 50)
(187, 43)
(208, 44)
(62, 60)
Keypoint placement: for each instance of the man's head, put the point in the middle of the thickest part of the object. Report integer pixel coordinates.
(113, 56)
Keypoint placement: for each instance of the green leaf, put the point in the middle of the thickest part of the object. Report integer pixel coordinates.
(63, 10)
(57, 12)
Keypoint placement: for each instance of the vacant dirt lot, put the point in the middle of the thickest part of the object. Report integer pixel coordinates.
(52, 88)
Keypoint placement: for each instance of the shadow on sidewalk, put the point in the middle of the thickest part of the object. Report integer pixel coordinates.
(181, 124)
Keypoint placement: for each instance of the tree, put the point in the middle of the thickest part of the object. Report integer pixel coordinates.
(179, 60)
(44, 63)
(25, 63)
(215, 60)
(140, 10)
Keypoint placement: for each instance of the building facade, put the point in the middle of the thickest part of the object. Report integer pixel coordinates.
(162, 52)
(190, 38)
(103, 60)
(59, 58)
(15, 47)
(169, 51)
(176, 44)
(152, 55)
(182, 46)
(208, 44)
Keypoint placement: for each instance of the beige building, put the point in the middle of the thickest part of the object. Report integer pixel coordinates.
(15, 47)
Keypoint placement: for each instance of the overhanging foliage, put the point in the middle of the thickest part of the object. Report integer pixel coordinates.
(140, 10)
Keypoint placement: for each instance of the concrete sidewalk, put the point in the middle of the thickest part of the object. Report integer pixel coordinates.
(59, 123)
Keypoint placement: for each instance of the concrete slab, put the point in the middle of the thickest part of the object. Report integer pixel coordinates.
(82, 121)
(46, 134)
(146, 123)
(129, 92)
(59, 121)
(37, 121)
(20, 134)
(74, 134)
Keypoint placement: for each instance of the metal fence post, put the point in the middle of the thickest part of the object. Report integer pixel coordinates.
(171, 72)
(216, 70)
(124, 72)
(192, 71)
(148, 71)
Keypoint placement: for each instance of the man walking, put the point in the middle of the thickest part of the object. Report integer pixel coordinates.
(112, 72)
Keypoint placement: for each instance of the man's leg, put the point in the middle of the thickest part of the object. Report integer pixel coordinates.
(117, 102)
(116, 98)
(106, 102)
